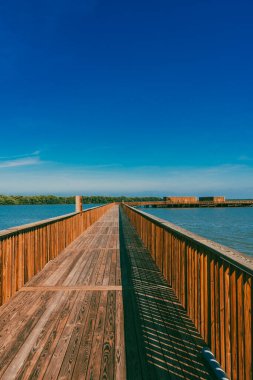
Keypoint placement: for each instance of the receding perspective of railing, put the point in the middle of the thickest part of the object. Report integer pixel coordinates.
(25, 250)
(212, 282)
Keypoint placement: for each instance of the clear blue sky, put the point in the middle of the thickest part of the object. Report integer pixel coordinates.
(126, 97)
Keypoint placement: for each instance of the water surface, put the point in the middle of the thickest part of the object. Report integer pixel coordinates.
(12, 216)
(229, 226)
(232, 227)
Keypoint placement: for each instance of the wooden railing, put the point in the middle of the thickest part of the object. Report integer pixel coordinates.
(212, 282)
(25, 250)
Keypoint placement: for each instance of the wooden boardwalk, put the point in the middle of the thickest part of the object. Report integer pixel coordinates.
(161, 341)
(69, 322)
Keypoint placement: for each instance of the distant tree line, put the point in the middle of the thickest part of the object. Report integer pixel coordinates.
(52, 199)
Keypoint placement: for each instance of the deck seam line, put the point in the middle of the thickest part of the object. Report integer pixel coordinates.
(70, 288)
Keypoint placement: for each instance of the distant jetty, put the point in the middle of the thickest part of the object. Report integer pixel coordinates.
(191, 201)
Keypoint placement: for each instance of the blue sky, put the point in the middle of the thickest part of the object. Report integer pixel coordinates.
(126, 97)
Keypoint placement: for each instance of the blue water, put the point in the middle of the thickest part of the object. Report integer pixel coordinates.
(12, 216)
(229, 226)
(232, 227)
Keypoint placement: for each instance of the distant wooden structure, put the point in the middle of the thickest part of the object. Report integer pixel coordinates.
(212, 199)
(196, 204)
(180, 200)
(113, 292)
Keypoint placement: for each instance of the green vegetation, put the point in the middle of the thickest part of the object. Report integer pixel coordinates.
(52, 199)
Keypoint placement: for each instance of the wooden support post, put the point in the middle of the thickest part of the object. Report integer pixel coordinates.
(79, 203)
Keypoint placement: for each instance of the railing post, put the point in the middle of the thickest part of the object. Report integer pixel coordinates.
(79, 203)
(213, 283)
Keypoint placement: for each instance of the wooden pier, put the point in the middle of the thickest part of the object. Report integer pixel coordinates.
(108, 293)
(67, 322)
(197, 204)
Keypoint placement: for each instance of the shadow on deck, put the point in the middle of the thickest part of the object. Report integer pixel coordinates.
(161, 341)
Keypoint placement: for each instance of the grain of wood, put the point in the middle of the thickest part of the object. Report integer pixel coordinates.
(166, 340)
(69, 320)
(64, 317)
(213, 283)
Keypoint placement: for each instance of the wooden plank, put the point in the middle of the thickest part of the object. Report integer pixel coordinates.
(118, 268)
(57, 359)
(94, 361)
(39, 357)
(212, 305)
(189, 283)
(217, 310)
(202, 296)
(34, 339)
(120, 359)
(92, 271)
(12, 307)
(166, 335)
(50, 350)
(108, 353)
(96, 269)
(248, 317)
(100, 277)
(81, 265)
(227, 331)
(70, 288)
(222, 315)
(240, 327)
(80, 358)
(233, 324)
(12, 347)
(206, 300)
(85, 315)
(17, 314)
(198, 278)
(112, 277)
(81, 272)
(107, 268)
(82, 336)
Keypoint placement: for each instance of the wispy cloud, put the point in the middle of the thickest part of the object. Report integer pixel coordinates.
(244, 158)
(35, 153)
(27, 161)
(228, 180)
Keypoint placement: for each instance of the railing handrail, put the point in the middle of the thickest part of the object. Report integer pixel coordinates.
(230, 255)
(41, 223)
(212, 282)
(25, 250)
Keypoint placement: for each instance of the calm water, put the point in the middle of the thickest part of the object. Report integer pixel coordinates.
(229, 226)
(12, 216)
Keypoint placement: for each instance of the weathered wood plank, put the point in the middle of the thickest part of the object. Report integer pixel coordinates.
(85, 316)
(96, 345)
(41, 353)
(57, 323)
(13, 346)
(108, 353)
(120, 360)
(167, 342)
(70, 288)
(69, 321)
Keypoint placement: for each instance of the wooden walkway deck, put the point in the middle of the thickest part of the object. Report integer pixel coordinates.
(68, 322)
